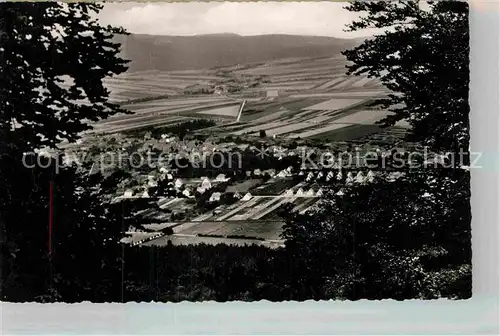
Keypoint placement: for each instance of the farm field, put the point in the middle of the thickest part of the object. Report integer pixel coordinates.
(253, 221)
(227, 111)
(286, 129)
(244, 186)
(275, 187)
(174, 204)
(247, 222)
(255, 229)
(307, 122)
(366, 117)
(316, 131)
(358, 93)
(166, 111)
(315, 99)
(344, 132)
(335, 104)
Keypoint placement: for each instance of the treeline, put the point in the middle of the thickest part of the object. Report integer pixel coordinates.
(196, 273)
(143, 99)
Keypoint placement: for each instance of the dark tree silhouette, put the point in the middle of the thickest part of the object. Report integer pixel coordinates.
(53, 59)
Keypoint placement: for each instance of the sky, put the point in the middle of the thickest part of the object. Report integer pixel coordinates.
(250, 18)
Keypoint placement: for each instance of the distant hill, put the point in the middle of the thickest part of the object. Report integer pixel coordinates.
(148, 52)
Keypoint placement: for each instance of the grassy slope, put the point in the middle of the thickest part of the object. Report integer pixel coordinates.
(148, 52)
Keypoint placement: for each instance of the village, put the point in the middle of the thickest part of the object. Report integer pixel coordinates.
(218, 154)
(237, 200)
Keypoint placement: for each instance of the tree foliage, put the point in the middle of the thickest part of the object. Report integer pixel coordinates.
(388, 239)
(423, 58)
(54, 57)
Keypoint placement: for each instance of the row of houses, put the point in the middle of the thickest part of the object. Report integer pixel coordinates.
(332, 176)
(270, 172)
(304, 193)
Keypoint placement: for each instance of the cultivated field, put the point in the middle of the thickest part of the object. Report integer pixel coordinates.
(288, 98)
(256, 229)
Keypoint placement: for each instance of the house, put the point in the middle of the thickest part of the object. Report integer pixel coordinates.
(257, 172)
(178, 183)
(282, 174)
(187, 193)
(221, 178)
(205, 183)
(319, 193)
(248, 173)
(270, 172)
(289, 192)
(370, 176)
(339, 176)
(320, 175)
(145, 194)
(201, 190)
(301, 173)
(215, 197)
(340, 193)
(299, 193)
(349, 178)
(310, 176)
(128, 193)
(237, 195)
(360, 178)
(247, 197)
(310, 193)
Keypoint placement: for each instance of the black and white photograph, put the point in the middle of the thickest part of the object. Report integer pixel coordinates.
(218, 151)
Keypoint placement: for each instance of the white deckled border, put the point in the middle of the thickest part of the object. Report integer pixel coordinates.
(478, 315)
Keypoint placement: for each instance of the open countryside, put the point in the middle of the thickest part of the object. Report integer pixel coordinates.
(284, 100)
